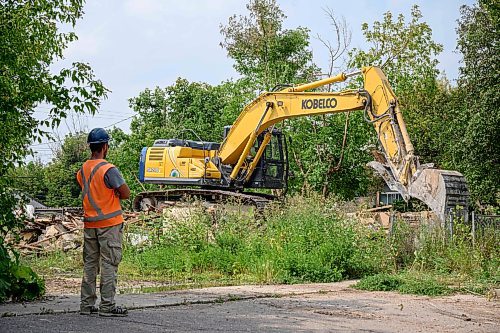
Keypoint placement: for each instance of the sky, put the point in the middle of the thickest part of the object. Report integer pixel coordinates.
(136, 44)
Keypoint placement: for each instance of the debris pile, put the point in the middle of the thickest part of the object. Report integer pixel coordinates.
(52, 230)
(385, 220)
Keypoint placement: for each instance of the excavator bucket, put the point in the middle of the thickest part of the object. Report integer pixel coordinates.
(444, 191)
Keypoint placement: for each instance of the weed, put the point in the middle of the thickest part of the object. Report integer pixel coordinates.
(405, 283)
(305, 242)
(426, 285)
(56, 263)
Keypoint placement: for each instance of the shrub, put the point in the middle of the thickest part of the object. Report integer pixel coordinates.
(380, 282)
(305, 240)
(19, 282)
(406, 283)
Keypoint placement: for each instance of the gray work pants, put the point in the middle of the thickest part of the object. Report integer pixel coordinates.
(102, 245)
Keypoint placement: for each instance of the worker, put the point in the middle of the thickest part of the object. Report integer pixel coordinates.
(102, 189)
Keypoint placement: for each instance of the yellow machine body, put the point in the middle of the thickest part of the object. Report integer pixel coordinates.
(179, 165)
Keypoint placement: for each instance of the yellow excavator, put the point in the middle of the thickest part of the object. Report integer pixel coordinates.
(253, 154)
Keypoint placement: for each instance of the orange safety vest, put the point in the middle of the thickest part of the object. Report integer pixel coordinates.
(101, 206)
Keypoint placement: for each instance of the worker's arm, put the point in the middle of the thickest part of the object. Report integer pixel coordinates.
(123, 192)
(114, 180)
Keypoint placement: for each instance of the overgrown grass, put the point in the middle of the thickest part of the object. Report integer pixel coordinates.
(56, 263)
(305, 240)
(430, 261)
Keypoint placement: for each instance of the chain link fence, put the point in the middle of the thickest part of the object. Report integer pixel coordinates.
(480, 223)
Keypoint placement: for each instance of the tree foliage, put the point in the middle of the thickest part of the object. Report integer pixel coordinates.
(30, 42)
(405, 50)
(407, 53)
(477, 150)
(203, 108)
(265, 53)
(184, 110)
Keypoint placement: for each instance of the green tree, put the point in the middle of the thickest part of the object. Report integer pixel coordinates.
(55, 184)
(268, 55)
(327, 158)
(30, 179)
(405, 50)
(29, 43)
(203, 108)
(63, 189)
(478, 149)
(263, 51)
(407, 53)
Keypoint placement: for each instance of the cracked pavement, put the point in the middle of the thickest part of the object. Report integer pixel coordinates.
(333, 307)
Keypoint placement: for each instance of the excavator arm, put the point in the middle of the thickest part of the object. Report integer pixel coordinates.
(441, 190)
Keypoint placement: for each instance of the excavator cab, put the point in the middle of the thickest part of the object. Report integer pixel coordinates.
(271, 171)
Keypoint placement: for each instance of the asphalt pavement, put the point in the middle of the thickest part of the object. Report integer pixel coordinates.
(331, 307)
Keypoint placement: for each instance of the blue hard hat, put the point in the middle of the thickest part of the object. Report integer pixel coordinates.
(98, 135)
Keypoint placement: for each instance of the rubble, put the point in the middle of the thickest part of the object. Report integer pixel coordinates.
(52, 229)
(384, 220)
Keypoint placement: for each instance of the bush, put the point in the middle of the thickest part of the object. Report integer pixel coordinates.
(305, 241)
(439, 253)
(18, 281)
(27, 285)
(380, 282)
(308, 240)
(426, 285)
(406, 283)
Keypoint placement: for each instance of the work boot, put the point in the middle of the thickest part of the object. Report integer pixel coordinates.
(117, 311)
(89, 310)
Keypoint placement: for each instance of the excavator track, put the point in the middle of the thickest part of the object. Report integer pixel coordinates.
(156, 199)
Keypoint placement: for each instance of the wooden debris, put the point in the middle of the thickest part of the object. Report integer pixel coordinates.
(61, 229)
(52, 229)
(376, 209)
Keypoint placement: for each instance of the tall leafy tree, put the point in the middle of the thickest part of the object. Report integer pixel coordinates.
(54, 184)
(184, 110)
(478, 150)
(263, 51)
(203, 108)
(406, 51)
(30, 42)
(63, 190)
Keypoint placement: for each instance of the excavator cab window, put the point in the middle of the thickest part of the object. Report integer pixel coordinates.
(270, 171)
